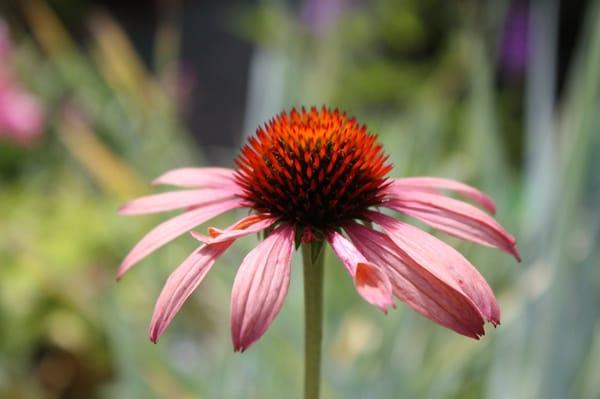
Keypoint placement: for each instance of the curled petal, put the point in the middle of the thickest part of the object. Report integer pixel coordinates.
(260, 287)
(249, 224)
(173, 228)
(201, 237)
(442, 261)
(456, 218)
(198, 177)
(174, 200)
(370, 281)
(434, 184)
(180, 285)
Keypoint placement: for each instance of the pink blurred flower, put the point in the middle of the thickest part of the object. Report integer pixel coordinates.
(21, 114)
(319, 175)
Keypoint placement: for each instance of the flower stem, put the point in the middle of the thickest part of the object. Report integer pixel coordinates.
(312, 257)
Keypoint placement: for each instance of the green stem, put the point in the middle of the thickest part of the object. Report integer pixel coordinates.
(312, 257)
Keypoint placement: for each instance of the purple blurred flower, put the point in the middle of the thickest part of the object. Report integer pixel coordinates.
(21, 114)
(186, 80)
(319, 14)
(514, 43)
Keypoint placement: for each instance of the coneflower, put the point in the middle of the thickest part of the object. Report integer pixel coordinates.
(312, 177)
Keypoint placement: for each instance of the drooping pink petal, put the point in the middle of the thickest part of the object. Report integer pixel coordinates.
(441, 260)
(173, 200)
(370, 281)
(260, 287)
(416, 286)
(199, 177)
(248, 225)
(184, 280)
(436, 183)
(454, 217)
(172, 228)
(180, 285)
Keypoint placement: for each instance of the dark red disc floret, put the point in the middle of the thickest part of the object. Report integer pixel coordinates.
(313, 168)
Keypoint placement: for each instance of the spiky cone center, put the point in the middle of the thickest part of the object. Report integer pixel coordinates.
(316, 169)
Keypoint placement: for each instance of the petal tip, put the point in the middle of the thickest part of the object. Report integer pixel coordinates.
(157, 328)
(123, 268)
(120, 273)
(157, 182)
(374, 286)
(200, 237)
(239, 346)
(126, 209)
(515, 252)
(389, 306)
(477, 334)
(385, 304)
(154, 336)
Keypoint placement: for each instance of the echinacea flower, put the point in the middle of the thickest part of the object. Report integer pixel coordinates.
(319, 175)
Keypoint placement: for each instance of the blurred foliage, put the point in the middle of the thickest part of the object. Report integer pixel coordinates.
(423, 75)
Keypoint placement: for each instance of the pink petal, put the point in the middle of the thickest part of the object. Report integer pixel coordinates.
(173, 200)
(180, 285)
(172, 228)
(260, 287)
(435, 183)
(442, 261)
(184, 280)
(456, 218)
(203, 238)
(370, 281)
(248, 225)
(199, 177)
(416, 286)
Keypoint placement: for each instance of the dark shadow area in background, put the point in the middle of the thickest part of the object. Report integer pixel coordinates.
(218, 59)
(572, 15)
(221, 61)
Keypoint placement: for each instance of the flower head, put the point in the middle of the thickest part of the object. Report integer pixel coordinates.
(318, 174)
(313, 169)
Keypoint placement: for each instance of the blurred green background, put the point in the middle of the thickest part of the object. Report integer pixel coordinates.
(504, 95)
